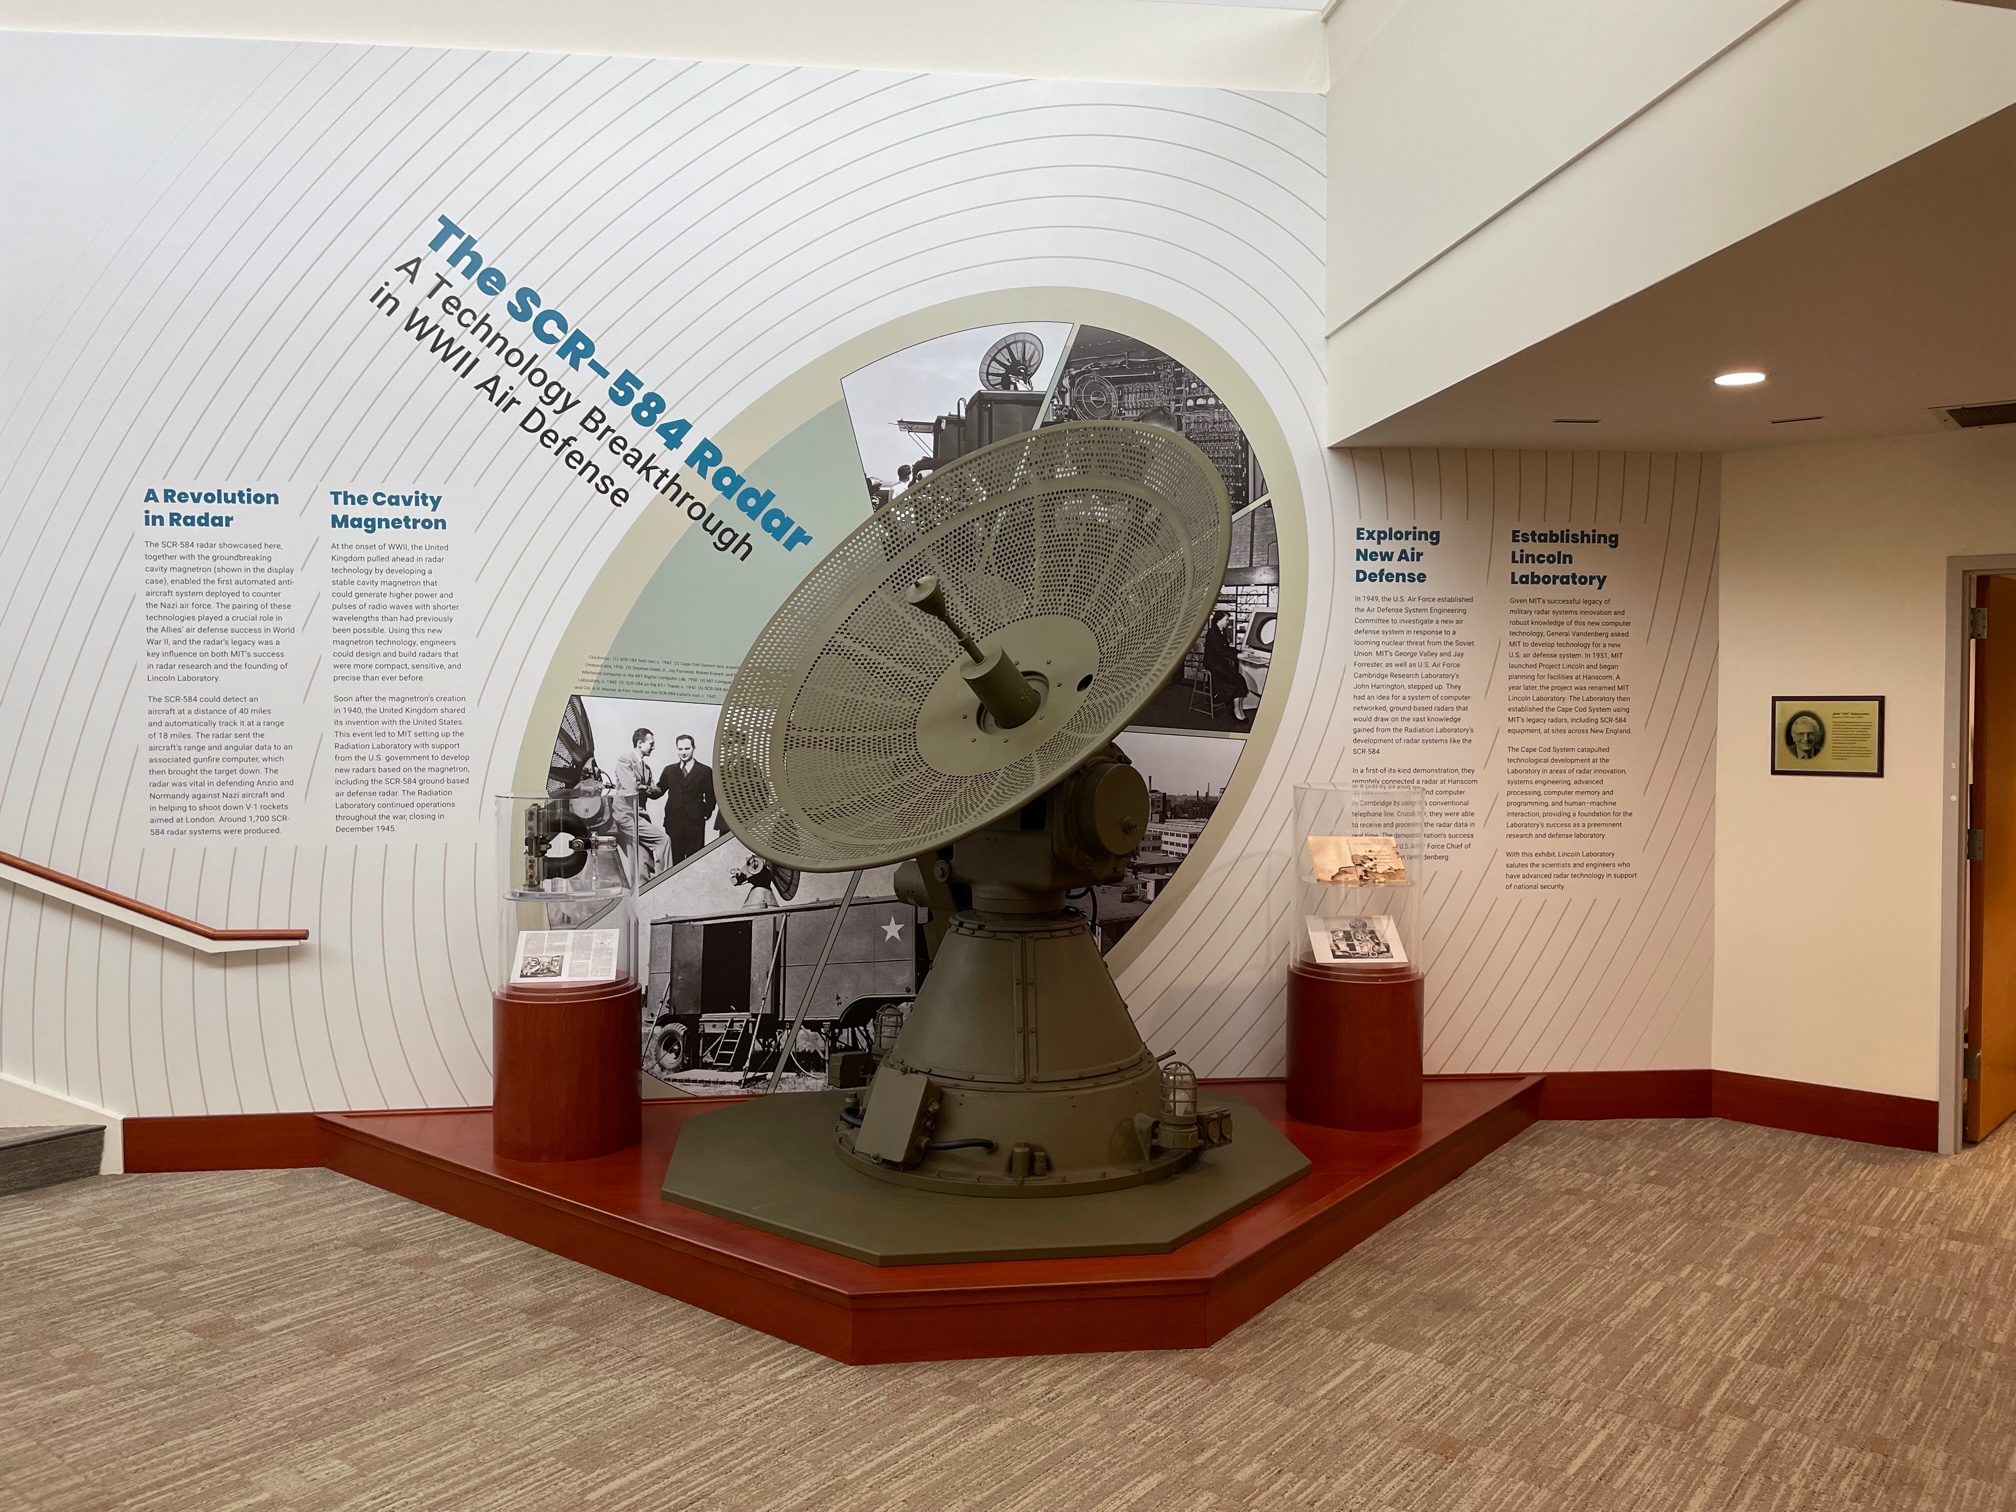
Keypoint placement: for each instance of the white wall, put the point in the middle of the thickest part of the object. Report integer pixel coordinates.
(1493, 181)
(1205, 205)
(1828, 948)
(1430, 154)
(1234, 46)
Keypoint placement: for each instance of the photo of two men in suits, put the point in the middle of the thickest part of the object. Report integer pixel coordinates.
(686, 784)
(675, 801)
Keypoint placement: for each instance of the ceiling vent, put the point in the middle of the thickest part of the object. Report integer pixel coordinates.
(1967, 416)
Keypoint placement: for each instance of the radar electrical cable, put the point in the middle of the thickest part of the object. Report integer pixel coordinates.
(852, 1118)
(1091, 894)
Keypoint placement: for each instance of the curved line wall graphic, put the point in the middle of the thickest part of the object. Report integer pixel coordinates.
(719, 226)
(202, 322)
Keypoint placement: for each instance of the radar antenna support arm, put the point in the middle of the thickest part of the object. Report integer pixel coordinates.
(1009, 697)
(926, 881)
(788, 1045)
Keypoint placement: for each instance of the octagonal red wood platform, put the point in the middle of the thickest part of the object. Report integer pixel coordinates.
(608, 1213)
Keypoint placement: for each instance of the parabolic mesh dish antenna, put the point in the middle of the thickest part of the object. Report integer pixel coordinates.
(943, 691)
(1012, 362)
(1088, 554)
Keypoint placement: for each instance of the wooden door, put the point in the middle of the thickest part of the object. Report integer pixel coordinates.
(1991, 890)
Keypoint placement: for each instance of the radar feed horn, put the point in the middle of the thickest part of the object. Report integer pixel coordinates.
(1009, 696)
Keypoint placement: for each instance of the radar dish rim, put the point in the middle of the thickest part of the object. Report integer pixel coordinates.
(822, 598)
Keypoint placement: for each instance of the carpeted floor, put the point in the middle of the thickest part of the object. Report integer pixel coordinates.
(1631, 1317)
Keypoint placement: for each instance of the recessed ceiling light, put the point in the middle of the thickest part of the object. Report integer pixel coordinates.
(1738, 380)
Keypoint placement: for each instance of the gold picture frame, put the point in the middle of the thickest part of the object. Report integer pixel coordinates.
(1830, 736)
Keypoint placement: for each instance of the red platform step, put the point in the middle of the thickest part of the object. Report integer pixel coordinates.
(607, 1213)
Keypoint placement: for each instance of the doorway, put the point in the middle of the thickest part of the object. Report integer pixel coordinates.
(1988, 1064)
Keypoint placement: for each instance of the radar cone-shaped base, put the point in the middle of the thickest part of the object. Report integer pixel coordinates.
(1026, 1068)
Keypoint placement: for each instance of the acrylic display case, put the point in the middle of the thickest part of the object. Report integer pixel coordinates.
(567, 1010)
(1355, 969)
(1353, 879)
(570, 869)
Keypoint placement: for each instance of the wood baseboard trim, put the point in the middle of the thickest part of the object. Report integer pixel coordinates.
(1878, 1118)
(224, 1142)
(277, 1141)
(1627, 1094)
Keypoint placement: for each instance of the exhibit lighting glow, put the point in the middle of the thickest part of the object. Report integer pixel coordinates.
(1738, 380)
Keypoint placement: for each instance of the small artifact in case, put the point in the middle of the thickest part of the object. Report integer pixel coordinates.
(569, 862)
(1356, 939)
(1357, 860)
(567, 955)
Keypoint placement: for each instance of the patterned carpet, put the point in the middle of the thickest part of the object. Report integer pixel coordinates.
(1632, 1317)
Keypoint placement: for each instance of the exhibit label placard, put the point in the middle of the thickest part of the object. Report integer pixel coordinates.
(1826, 737)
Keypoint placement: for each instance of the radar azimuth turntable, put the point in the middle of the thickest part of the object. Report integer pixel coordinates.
(943, 691)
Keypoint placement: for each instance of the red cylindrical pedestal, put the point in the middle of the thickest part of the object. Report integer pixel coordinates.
(1354, 1049)
(567, 1058)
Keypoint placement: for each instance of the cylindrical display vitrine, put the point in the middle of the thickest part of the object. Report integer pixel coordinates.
(1355, 968)
(567, 1014)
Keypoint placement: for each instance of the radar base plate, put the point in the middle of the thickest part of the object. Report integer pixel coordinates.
(770, 1163)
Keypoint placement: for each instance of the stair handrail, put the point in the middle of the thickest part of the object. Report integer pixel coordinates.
(207, 936)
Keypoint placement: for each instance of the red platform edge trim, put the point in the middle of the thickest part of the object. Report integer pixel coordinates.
(278, 1141)
(862, 1314)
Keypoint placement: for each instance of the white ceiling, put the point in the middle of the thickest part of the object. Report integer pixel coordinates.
(1866, 309)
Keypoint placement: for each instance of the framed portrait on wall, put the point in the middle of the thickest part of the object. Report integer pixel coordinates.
(1827, 736)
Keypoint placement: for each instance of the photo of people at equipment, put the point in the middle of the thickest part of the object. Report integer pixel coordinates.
(656, 749)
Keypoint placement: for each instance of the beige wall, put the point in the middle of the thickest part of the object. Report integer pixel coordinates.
(1829, 944)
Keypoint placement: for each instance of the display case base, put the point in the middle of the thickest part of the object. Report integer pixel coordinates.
(1354, 1049)
(566, 1081)
(772, 1163)
(609, 1214)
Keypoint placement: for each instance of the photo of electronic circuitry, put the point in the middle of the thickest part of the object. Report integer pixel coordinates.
(1108, 375)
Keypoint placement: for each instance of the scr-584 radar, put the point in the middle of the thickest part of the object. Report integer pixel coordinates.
(943, 691)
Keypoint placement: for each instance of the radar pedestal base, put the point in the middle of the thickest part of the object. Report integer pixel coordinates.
(770, 1163)
(1025, 1041)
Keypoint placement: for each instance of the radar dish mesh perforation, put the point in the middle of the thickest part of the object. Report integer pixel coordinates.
(1122, 527)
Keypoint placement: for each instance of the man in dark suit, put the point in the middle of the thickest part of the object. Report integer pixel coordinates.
(688, 786)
